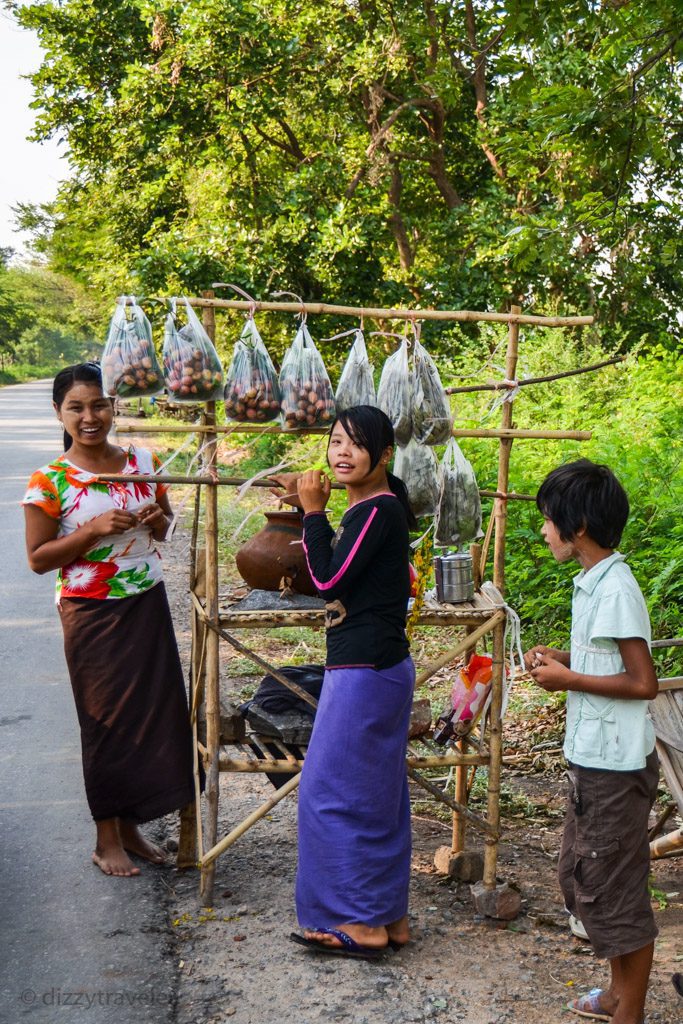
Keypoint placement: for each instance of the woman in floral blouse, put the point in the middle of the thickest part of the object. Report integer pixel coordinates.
(118, 635)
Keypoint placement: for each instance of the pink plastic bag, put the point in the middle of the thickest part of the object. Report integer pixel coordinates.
(470, 692)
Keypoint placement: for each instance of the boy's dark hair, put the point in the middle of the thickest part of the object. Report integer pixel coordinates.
(583, 494)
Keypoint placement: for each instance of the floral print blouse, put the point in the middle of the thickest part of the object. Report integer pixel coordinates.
(120, 566)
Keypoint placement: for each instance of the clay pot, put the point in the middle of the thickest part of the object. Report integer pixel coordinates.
(270, 555)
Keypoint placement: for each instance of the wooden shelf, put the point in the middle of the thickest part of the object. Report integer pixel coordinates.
(469, 613)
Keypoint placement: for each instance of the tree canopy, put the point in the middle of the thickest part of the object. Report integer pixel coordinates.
(453, 154)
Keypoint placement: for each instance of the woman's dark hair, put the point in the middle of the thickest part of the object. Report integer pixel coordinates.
(370, 428)
(79, 373)
(585, 495)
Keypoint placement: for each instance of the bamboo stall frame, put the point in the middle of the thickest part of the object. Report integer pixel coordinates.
(204, 848)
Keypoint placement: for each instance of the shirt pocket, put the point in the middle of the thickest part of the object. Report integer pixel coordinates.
(597, 732)
(596, 865)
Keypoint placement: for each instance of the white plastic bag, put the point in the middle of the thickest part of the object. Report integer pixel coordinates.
(431, 410)
(417, 467)
(252, 392)
(394, 395)
(192, 369)
(458, 518)
(129, 362)
(356, 385)
(306, 392)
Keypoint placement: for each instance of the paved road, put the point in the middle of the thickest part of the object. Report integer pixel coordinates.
(74, 945)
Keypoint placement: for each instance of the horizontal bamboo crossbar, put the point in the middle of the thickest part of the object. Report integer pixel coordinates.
(381, 313)
(507, 433)
(238, 481)
(276, 766)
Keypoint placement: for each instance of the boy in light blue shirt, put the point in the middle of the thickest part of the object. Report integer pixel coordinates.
(609, 743)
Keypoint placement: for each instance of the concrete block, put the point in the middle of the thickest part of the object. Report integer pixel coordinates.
(465, 866)
(501, 903)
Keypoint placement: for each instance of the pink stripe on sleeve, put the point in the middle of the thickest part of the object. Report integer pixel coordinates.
(349, 558)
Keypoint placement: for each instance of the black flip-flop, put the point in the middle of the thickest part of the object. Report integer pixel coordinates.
(350, 947)
(677, 980)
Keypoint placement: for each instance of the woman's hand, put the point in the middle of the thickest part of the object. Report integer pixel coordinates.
(151, 515)
(112, 523)
(314, 490)
(155, 517)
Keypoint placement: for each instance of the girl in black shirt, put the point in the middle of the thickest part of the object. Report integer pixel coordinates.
(354, 811)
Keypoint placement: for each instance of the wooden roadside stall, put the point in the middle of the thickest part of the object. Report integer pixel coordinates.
(666, 712)
(224, 749)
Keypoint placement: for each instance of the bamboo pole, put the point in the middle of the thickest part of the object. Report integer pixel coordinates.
(239, 481)
(673, 683)
(507, 385)
(459, 830)
(669, 845)
(465, 644)
(495, 724)
(477, 822)
(381, 313)
(217, 849)
(255, 766)
(251, 428)
(213, 711)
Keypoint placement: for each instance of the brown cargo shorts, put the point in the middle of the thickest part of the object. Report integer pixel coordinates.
(605, 856)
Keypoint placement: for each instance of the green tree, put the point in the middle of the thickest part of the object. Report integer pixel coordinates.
(45, 319)
(386, 151)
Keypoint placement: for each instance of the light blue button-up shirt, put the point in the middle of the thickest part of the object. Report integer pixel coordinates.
(604, 732)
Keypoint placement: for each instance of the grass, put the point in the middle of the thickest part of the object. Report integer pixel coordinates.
(23, 373)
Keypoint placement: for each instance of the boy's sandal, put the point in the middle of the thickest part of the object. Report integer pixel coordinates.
(589, 1006)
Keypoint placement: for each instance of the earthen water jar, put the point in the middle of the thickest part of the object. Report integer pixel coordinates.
(274, 553)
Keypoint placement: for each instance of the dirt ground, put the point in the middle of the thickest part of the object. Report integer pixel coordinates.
(235, 960)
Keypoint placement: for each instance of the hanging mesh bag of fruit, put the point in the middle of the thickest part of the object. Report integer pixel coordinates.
(394, 395)
(305, 389)
(356, 385)
(431, 410)
(458, 517)
(252, 392)
(129, 362)
(192, 369)
(415, 464)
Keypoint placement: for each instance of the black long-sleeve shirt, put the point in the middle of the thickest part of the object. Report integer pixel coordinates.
(362, 573)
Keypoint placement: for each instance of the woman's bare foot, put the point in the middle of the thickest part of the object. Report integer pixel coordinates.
(134, 842)
(371, 938)
(109, 854)
(399, 931)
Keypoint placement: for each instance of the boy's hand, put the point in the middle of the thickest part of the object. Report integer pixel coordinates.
(549, 673)
(533, 657)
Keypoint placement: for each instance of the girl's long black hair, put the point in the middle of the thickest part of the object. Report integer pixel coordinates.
(79, 373)
(370, 428)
